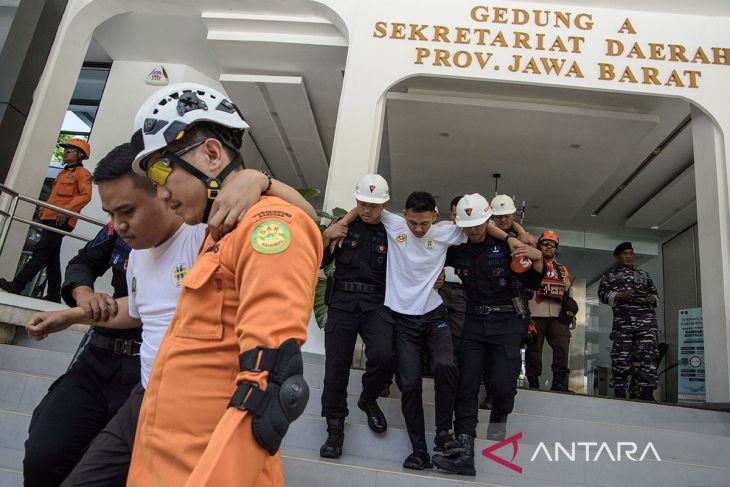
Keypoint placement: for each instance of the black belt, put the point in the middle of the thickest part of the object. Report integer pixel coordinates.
(116, 345)
(359, 287)
(488, 310)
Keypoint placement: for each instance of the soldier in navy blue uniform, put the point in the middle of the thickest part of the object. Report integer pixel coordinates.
(355, 299)
(80, 403)
(633, 297)
(495, 283)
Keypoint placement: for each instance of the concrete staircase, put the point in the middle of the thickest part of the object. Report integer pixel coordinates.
(27, 369)
(693, 444)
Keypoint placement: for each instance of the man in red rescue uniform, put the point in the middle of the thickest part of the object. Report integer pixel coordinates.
(71, 191)
(545, 309)
(227, 380)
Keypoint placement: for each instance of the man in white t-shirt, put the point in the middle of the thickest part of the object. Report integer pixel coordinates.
(416, 255)
(163, 250)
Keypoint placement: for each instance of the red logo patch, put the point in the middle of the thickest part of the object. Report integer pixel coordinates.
(468, 211)
(372, 188)
(512, 440)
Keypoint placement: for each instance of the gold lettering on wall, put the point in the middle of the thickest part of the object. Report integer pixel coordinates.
(627, 28)
(551, 43)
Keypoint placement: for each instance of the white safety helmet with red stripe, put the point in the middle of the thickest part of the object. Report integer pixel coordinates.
(372, 188)
(472, 210)
(167, 114)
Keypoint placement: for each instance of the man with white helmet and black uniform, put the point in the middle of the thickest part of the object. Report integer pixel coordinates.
(494, 281)
(355, 295)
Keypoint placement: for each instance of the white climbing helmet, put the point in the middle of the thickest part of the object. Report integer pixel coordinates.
(164, 117)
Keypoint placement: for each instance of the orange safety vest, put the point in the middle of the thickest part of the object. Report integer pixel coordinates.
(255, 287)
(71, 191)
(555, 282)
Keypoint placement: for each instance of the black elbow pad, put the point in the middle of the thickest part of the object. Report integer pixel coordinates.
(285, 397)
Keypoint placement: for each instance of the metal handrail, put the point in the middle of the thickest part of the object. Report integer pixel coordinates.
(10, 216)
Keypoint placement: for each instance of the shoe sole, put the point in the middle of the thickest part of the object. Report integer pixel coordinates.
(418, 467)
(468, 473)
(334, 456)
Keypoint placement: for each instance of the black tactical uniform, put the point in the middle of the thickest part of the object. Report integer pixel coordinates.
(355, 298)
(80, 403)
(494, 330)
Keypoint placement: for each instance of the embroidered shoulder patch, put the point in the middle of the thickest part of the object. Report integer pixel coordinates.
(271, 237)
(283, 215)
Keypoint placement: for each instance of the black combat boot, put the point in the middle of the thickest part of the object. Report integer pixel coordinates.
(418, 460)
(533, 381)
(497, 429)
(332, 447)
(445, 444)
(619, 393)
(376, 418)
(463, 463)
(647, 394)
(560, 381)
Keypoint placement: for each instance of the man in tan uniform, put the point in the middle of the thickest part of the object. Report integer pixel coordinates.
(227, 379)
(545, 309)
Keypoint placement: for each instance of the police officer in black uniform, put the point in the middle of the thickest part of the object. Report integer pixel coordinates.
(496, 322)
(80, 403)
(355, 298)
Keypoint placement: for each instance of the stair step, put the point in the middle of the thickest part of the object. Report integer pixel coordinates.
(558, 405)
(11, 459)
(67, 341)
(706, 452)
(13, 429)
(10, 478)
(21, 389)
(17, 310)
(34, 361)
(676, 444)
(305, 468)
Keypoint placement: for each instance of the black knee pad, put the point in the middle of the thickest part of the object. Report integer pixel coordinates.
(285, 397)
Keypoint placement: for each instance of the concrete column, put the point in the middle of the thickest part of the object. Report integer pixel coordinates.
(713, 216)
(357, 137)
(45, 115)
(23, 58)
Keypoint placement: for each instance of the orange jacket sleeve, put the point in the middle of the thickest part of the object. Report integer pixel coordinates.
(277, 253)
(83, 185)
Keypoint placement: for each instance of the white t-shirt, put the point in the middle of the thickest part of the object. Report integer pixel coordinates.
(449, 274)
(415, 263)
(153, 280)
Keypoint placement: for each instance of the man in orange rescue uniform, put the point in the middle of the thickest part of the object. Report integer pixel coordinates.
(71, 191)
(227, 381)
